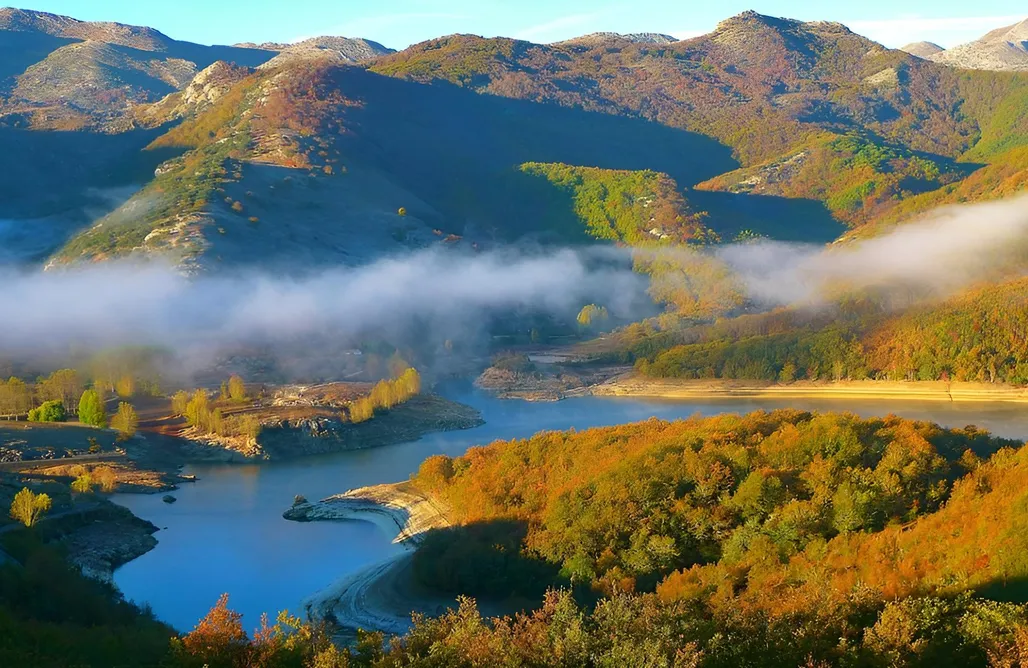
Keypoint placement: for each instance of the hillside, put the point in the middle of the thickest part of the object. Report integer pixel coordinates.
(922, 49)
(818, 539)
(1001, 49)
(831, 130)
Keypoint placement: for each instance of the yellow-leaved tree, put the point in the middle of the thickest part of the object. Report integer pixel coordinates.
(125, 421)
(28, 506)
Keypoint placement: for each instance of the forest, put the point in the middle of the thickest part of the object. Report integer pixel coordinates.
(975, 336)
(780, 538)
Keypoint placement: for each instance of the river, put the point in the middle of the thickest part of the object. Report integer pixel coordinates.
(226, 532)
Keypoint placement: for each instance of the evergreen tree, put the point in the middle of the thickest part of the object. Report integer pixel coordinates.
(91, 409)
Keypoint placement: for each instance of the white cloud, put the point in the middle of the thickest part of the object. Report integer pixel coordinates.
(946, 32)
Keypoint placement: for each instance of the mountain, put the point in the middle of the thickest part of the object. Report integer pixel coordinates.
(794, 130)
(922, 49)
(336, 50)
(634, 38)
(1003, 49)
(60, 73)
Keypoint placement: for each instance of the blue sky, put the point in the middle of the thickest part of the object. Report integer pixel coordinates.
(398, 23)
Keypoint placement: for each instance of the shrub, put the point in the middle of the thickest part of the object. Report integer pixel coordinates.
(83, 484)
(106, 477)
(50, 411)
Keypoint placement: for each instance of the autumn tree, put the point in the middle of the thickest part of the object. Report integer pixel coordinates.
(197, 410)
(15, 398)
(106, 477)
(236, 389)
(125, 421)
(179, 401)
(91, 409)
(592, 316)
(28, 506)
(62, 385)
(83, 483)
(125, 386)
(218, 641)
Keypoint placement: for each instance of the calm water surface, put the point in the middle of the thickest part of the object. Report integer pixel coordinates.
(226, 532)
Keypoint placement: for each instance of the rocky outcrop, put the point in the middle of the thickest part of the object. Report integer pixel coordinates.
(591, 39)
(420, 415)
(398, 508)
(335, 50)
(379, 597)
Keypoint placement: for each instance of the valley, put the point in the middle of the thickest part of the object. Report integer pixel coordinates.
(635, 348)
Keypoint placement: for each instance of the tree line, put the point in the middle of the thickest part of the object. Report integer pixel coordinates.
(203, 414)
(386, 394)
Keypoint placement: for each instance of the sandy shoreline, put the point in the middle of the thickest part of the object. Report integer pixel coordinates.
(382, 596)
(633, 385)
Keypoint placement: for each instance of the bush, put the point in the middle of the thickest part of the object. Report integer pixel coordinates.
(50, 411)
(83, 484)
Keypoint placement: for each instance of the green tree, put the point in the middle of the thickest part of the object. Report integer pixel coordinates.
(28, 506)
(125, 421)
(91, 409)
(50, 411)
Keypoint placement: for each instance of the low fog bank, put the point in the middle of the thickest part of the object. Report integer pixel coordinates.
(947, 250)
(427, 298)
(439, 293)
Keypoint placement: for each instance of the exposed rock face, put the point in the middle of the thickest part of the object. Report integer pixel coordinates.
(206, 88)
(336, 50)
(635, 38)
(1002, 49)
(922, 49)
(397, 507)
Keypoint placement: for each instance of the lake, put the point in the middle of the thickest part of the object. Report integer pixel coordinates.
(226, 532)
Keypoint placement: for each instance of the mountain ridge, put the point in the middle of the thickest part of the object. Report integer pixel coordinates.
(1002, 49)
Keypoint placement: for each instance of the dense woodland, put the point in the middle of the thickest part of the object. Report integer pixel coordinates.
(771, 539)
(976, 336)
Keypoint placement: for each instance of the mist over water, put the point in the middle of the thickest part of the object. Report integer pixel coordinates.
(131, 303)
(947, 250)
(442, 292)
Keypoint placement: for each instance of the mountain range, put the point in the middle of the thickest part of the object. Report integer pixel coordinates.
(123, 141)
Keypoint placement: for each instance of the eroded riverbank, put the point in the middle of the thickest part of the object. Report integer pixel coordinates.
(384, 595)
(635, 385)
